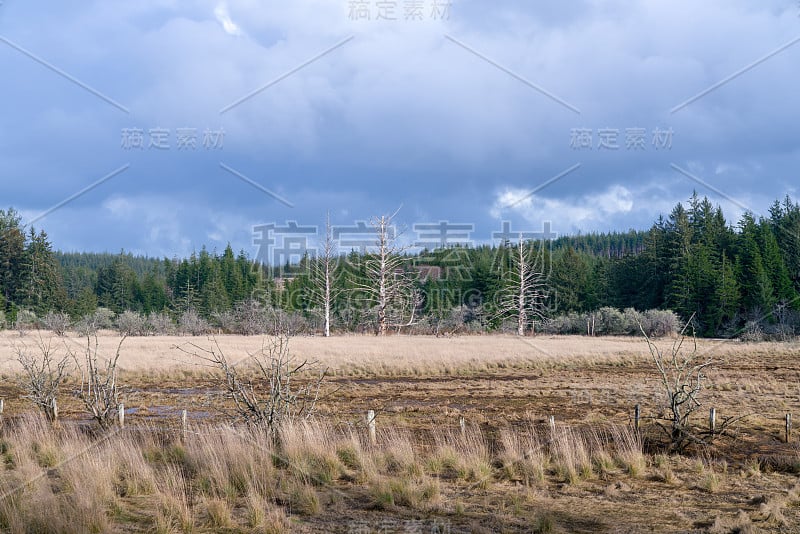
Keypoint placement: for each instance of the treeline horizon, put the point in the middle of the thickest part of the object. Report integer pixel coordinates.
(728, 277)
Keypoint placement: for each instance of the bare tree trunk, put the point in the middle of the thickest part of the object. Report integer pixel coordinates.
(322, 275)
(390, 289)
(327, 331)
(383, 229)
(524, 288)
(522, 266)
(327, 259)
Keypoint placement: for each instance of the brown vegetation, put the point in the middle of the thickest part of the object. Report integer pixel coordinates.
(506, 470)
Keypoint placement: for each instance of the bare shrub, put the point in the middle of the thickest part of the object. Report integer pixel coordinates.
(787, 321)
(56, 322)
(752, 331)
(682, 373)
(193, 324)
(44, 371)
(271, 387)
(630, 321)
(26, 320)
(250, 318)
(225, 320)
(661, 323)
(89, 324)
(294, 323)
(160, 323)
(99, 389)
(131, 323)
(453, 323)
(572, 323)
(608, 321)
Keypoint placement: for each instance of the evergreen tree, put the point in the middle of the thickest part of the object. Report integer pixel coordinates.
(42, 288)
(117, 287)
(757, 293)
(726, 296)
(775, 266)
(12, 256)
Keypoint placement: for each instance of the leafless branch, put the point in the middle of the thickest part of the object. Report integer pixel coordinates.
(268, 388)
(44, 372)
(98, 388)
(682, 377)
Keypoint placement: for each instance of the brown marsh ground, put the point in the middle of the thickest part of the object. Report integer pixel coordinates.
(507, 471)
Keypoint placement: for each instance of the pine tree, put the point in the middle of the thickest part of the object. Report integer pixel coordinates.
(569, 280)
(782, 287)
(726, 296)
(757, 293)
(681, 273)
(12, 256)
(117, 287)
(42, 287)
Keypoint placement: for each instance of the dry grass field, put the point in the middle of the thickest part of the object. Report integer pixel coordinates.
(507, 471)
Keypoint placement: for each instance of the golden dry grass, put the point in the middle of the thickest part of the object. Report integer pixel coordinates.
(319, 478)
(508, 471)
(399, 354)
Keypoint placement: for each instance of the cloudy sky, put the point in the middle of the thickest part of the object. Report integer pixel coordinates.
(159, 126)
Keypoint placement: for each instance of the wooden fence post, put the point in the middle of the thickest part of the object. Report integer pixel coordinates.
(2, 405)
(637, 413)
(712, 420)
(552, 420)
(54, 410)
(184, 422)
(788, 427)
(463, 425)
(373, 437)
(121, 415)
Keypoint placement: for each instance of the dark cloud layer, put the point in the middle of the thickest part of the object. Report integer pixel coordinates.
(454, 119)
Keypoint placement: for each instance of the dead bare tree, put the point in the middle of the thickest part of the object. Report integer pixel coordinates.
(387, 283)
(57, 322)
(682, 374)
(270, 387)
(323, 270)
(44, 370)
(98, 388)
(523, 293)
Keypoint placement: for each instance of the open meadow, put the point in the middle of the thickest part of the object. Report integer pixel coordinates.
(506, 468)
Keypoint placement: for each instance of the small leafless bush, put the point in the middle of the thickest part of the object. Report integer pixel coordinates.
(250, 318)
(26, 320)
(444, 323)
(611, 322)
(571, 323)
(44, 371)
(682, 374)
(787, 321)
(191, 323)
(57, 322)
(225, 320)
(86, 326)
(608, 322)
(269, 388)
(99, 390)
(630, 321)
(89, 324)
(661, 323)
(279, 321)
(160, 323)
(131, 323)
(752, 331)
